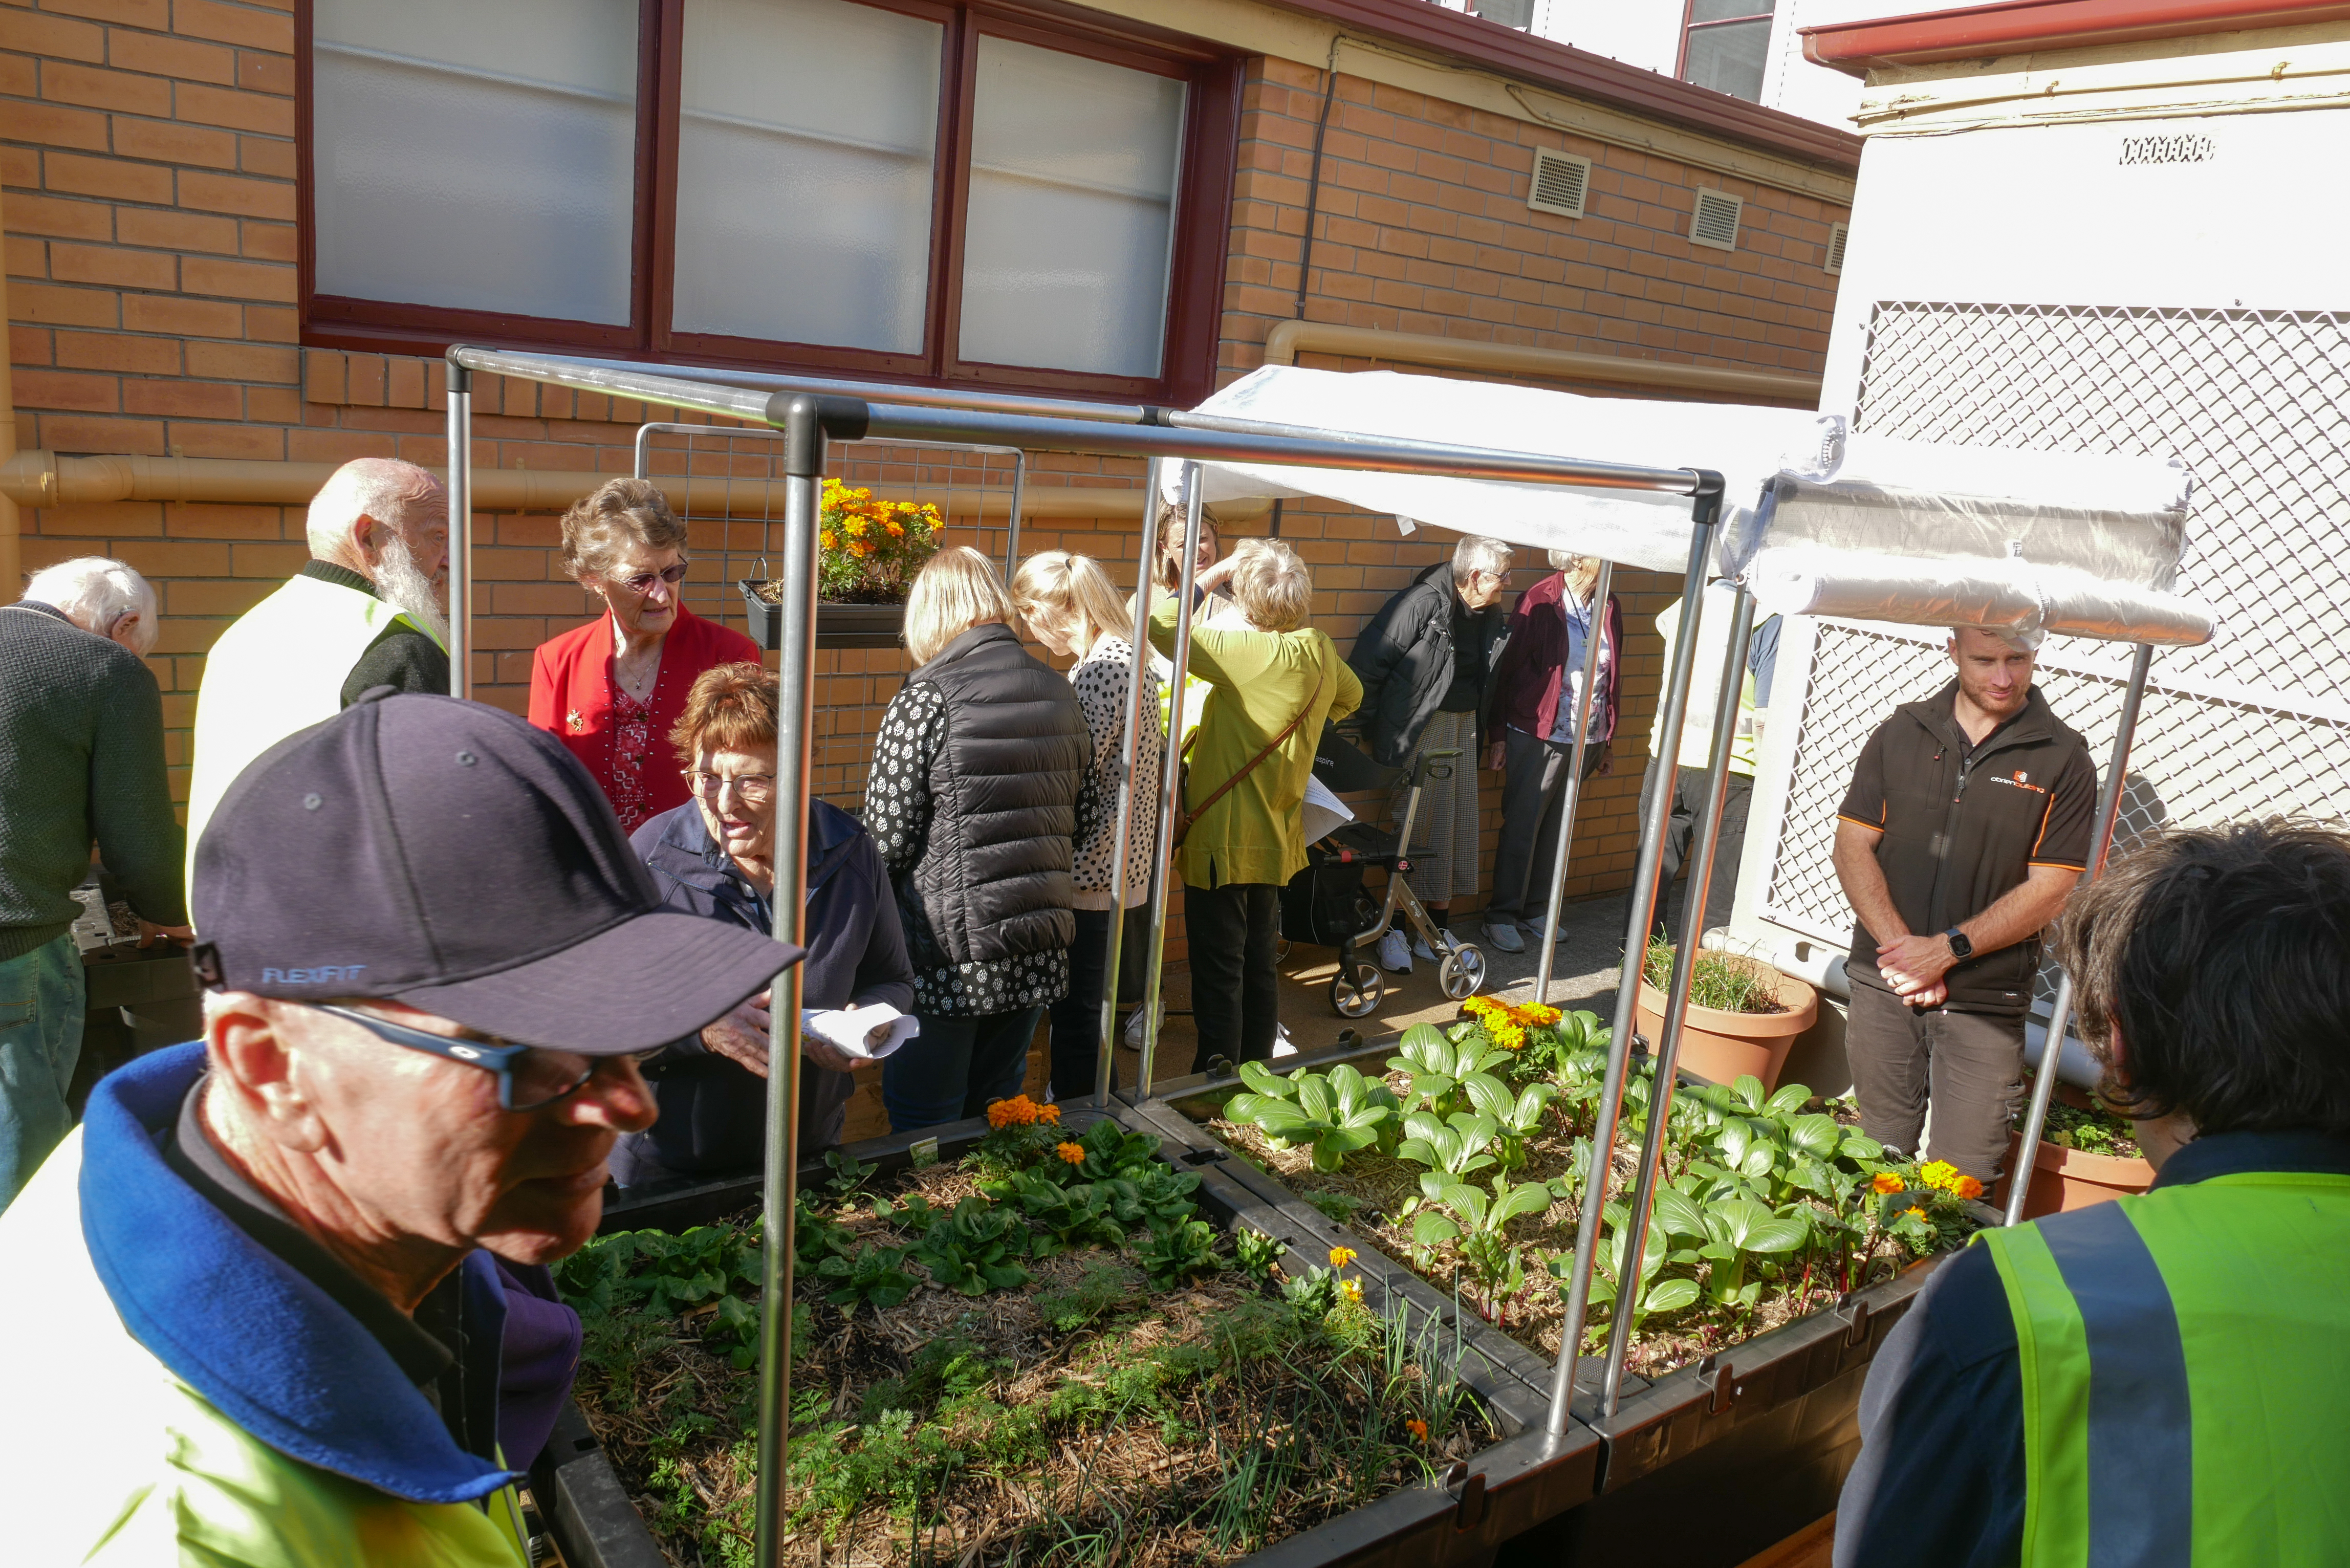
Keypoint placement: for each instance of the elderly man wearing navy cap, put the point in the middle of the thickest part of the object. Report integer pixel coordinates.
(255, 1301)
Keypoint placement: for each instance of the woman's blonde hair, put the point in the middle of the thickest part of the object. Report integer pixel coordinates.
(1062, 585)
(731, 707)
(1272, 585)
(957, 589)
(618, 514)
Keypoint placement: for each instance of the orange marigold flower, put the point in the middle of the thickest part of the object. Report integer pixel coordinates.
(1071, 1153)
(1536, 1014)
(1913, 1212)
(1968, 1186)
(1416, 1428)
(856, 526)
(1049, 1112)
(1341, 1256)
(1886, 1181)
(1018, 1111)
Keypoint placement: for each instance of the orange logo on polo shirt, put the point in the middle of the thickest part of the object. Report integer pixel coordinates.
(2021, 780)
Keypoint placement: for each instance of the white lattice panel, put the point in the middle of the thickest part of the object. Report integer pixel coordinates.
(2257, 402)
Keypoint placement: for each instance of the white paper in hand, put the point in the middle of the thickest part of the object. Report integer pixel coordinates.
(869, 1033)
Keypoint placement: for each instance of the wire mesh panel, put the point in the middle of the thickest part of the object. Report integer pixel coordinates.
(2257, 403)
(732, 506)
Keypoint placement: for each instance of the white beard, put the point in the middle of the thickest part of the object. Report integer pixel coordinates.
(401, 584)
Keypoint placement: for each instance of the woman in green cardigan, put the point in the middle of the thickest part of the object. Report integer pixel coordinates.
(1277, 681)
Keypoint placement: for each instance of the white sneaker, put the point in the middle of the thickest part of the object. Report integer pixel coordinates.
(1534, 928)
(1282, 1045)
(1133, 1034)
(1420, 949)
(1504, 937)
(1395, 953)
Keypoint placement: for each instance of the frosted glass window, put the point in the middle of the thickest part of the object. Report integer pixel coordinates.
(477, 154)
(1729, 46)
(806, 141)
(1067, 244)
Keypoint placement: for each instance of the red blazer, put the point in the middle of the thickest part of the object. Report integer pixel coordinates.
(571, 695)
(1525, 685)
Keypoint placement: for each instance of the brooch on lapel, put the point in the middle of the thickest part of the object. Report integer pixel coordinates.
(573, 718)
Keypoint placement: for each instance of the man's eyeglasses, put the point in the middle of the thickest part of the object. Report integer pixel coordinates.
(755, 789)
(642, 583)
(529, 1078)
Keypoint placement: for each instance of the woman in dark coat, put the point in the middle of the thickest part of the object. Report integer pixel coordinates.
(974, 802)
(1422, 660)
(712, 857)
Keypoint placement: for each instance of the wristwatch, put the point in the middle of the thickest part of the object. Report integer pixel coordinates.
(1960, 947)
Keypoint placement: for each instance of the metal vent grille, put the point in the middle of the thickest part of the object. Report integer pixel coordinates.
(1560, 182)
(1834, 261)
(2257, 403)
(1715, 221)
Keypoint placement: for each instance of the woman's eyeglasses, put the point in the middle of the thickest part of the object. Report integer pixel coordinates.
(755, 789)
(529, 1078)
(642, 583)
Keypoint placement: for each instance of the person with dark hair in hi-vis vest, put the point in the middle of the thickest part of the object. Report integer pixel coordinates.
(2161, 1379)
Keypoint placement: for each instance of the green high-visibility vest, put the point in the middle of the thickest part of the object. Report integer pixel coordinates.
(279, 668)
(2186, 1375)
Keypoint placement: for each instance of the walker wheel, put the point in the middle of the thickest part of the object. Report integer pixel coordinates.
(1462, 973)
(1359, 995)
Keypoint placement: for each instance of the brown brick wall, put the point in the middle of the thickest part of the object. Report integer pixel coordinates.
(147, 157)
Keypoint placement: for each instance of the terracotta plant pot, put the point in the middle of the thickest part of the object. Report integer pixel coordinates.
(2065, 1179)
(1720, 1047)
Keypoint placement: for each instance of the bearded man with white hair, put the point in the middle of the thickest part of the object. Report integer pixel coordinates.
(81, 766)
(365, 612)
(1969, 820)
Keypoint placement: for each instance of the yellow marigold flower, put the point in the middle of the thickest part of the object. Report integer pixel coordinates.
(825, 538)
(856, 526)
(1968, 1186)
(1940, 1173)
(1506, 1034)
(1049, 1112)
(1913, 1212)
(1886, 1181)
(1416, 1428)
(1352, 1290)
(1341, 1256)
(1070, 1153)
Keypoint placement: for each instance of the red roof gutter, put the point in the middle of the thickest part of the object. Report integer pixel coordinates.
(2019, 27)
(1572, 73)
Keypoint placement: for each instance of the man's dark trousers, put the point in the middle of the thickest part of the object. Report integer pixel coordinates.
(1969, 1064)
(1680, 833)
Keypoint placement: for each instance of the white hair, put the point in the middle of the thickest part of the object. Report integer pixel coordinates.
(1478, 553)
(1560, 560)
(95, 591)
(377, 487)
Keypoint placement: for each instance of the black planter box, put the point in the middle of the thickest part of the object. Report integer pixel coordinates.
(1703, 1468)
(1516, 1485)
(836, 626)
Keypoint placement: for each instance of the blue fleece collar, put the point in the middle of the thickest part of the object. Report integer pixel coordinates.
(269, 1348)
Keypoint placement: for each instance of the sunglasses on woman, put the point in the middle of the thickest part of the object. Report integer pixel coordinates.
(642, 583)
(530, 1078)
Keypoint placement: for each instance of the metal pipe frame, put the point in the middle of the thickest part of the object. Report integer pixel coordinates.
(1018, 455)
(1170, 792)
(1685, 956)
(1585, 708)
(1294, 446)
(1129, 758)
(2060, 1013)
(461, 529)
(1589, 1214)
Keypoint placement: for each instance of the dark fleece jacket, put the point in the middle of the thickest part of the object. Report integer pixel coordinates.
(713, 1110)
(1423, 647)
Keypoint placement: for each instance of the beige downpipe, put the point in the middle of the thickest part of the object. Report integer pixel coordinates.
(1290, 339)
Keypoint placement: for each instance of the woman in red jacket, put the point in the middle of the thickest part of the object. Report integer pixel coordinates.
(611, 690)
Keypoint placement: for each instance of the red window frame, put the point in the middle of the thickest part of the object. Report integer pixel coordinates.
(1681, 62)
(1195, 284)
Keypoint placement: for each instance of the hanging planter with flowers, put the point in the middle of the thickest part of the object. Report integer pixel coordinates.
(867, 553)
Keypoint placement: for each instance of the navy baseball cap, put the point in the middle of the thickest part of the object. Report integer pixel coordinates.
(448, 856)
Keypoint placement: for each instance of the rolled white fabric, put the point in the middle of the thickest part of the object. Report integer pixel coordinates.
(2007, 593)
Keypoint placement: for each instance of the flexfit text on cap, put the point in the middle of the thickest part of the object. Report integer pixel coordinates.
(448, 856)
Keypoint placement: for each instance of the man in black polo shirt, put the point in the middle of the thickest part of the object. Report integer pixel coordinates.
(1967, 822)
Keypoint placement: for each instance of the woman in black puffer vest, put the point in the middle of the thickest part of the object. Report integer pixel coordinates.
(974, 802)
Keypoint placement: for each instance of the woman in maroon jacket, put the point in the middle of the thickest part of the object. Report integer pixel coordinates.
(612, 690)
(1536, 694)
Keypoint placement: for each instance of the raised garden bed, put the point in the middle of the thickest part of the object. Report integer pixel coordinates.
(1783, 1249)
(1161, 1387)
